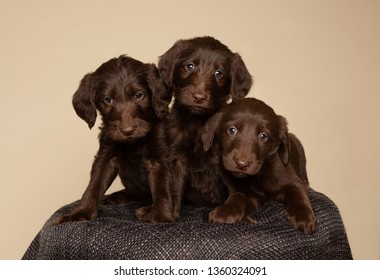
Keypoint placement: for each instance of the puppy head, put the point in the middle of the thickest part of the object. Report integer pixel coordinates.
(203, 74)
(246, 132)
(127, 93)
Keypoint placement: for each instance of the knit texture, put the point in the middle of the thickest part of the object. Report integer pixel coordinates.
(117, 234)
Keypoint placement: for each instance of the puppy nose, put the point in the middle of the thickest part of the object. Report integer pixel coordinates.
(128, 130)
(199, 97)
(242, 164)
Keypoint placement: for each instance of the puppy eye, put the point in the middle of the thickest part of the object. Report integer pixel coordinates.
(263, 137)
(108, 100)
(139, 95)
(190, 67)
(231, 131)
(218, 73)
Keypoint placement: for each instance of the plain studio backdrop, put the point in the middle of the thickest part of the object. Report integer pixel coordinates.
(315, 62)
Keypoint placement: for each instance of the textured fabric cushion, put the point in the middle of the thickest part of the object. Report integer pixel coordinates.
(117, 234)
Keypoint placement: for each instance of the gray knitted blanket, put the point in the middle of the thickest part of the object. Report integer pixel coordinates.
(117, 234)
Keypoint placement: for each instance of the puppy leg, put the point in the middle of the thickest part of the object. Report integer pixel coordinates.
(103, 173)
(231, 211)
(161, 210)
(299, 212)
(179, 169)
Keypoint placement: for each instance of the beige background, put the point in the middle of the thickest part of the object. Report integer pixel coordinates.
(315, 62)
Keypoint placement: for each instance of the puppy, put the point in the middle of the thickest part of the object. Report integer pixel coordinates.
(202, 74)
(130, 98)
(260, 161)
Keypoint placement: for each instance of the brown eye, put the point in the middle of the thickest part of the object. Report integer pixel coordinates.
(139, 95)
(263, 137)
(108, 100)
(218, 74)
(190, 67)
(231, 130)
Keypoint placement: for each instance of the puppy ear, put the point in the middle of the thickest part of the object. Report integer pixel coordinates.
(167, 63)
(84, 100)
(160, 96)
(284, 148)
(241, 80)
(209, 129)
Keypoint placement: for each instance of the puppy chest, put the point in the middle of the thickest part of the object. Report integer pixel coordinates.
(206, 186)
(134, 175)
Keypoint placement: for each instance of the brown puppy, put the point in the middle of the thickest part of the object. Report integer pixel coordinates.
(261, 161)
(202, 74)
(130, 98)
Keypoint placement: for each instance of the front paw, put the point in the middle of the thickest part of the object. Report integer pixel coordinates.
(227, 214)
(155, 215)
(302, 218)
(116, 198)
(76, 215)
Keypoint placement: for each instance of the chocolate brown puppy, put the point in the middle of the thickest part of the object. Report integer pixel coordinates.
(202, 74)
(130, 98)
(260, 161)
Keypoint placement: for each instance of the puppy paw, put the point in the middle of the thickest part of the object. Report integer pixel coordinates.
(143, 213)
(76, 215)
(302, 219)
(227, 214)
(116, 198)
(154, 215)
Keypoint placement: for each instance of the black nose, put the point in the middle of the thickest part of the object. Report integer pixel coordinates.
(242, 164)
(199, 97)
(128, 130)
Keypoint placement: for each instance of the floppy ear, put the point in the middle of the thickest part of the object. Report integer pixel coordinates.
(84, 100)
(160, 96)
(168, 62)
(208, 130)
(241, 80)
(284, 148)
